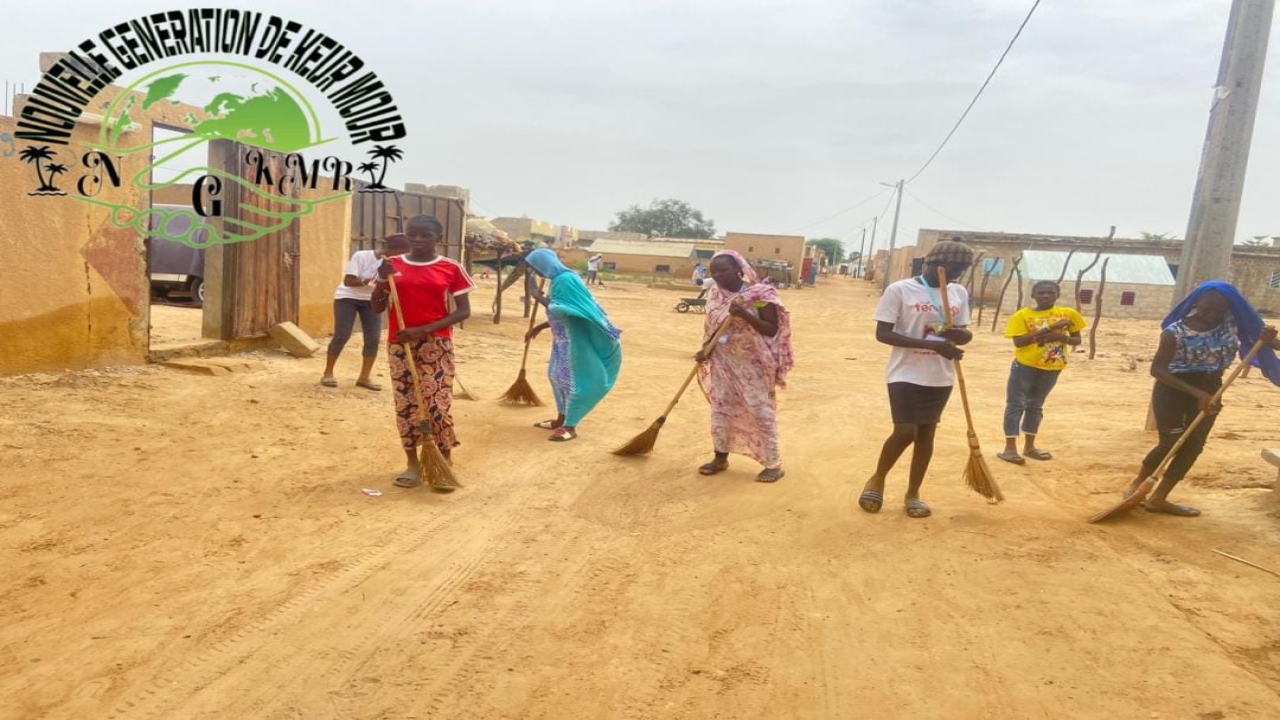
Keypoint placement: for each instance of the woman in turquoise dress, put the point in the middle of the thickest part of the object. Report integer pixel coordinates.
(585, 353)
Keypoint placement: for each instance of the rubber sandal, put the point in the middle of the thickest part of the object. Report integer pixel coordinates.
(770, 476)
(368, 385)
(713, 468)
(563, 434)
(1040, 455)
(1014, 458)
(918, 509)
(546, 425)
(871, 501)
(407, 479)
(329, 381)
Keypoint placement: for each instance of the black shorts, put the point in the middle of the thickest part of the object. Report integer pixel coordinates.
(913, 404)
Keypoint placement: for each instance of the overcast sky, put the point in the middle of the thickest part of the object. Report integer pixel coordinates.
(773, 115)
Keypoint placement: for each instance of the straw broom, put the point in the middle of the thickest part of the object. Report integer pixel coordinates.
(1149, 484)
(435, 469)
(521, 392)
(644, 442)
(460, 391)
(976, 473)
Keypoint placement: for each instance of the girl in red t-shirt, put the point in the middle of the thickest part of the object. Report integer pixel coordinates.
(424, 281)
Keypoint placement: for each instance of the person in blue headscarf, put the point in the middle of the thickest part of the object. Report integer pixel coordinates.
(1202, 336)
(585, 353)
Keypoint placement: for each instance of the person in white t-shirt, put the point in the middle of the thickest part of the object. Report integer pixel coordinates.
(921, 370)
(354, 297)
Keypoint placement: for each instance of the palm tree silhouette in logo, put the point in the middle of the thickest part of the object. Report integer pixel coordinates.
(369, 167)
(387, 155)
(55, 169)
(35, 156)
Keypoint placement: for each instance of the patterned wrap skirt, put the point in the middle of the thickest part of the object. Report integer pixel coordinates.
(433, 357)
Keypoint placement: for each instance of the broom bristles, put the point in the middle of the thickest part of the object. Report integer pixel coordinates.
(462, 391)
(979, 478)
(521, 393)
(643, 442)
(436, 470)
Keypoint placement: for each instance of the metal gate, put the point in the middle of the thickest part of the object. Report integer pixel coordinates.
(376, 215)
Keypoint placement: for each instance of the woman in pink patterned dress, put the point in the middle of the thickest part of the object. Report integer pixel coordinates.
(742, 372)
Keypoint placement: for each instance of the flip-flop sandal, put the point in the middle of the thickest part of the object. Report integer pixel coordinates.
(1040, 455)
(546, 425)
(712, 468)
(369, 385)
(329, 381)
(917, 509)
(1179, 510)
(871, 501)
(1014, 458)
(407, 479)
(562, 434)
(770, 476)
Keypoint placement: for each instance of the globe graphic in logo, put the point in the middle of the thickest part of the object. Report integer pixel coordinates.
(220, 101)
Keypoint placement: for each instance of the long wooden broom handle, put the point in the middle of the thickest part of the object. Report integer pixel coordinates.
(707, 348)
(410, 360)
(946, 311)
(533, 318)
(1235, 373)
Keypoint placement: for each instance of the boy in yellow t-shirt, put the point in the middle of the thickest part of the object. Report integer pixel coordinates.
(1040, 339)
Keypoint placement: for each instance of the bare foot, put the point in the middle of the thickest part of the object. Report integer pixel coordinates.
(1167, 508)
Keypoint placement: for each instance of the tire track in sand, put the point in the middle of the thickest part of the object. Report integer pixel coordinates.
(276, 634)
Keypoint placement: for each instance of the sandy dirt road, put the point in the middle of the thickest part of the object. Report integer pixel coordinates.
(177, 546)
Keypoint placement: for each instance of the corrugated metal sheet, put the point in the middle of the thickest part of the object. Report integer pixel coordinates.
(1122, 268)
(667, 249)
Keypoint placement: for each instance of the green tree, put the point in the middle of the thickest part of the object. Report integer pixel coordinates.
(1157, 237)
(831, 247)
(1259, 241)
(665, 218)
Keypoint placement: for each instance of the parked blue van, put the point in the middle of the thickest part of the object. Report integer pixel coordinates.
(174, 267)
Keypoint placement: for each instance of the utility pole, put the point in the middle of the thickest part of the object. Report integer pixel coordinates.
(861, 258)
(871, 249)
(1215, 208)
(893, 238)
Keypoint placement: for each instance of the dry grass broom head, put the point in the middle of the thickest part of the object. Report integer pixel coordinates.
(978, 477)
(461, 391)
(642, 443)
(521, 393)
(436, 470)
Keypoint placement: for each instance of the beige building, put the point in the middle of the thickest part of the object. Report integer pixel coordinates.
(1138, 286)
(1255, 270)
(660, 259)
(772, 248)
(93, 303)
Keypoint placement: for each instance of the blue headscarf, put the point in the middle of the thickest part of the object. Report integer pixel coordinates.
(594, 355)
(1249, 324)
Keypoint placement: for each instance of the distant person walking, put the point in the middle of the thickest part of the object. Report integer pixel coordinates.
(1041, 338)
(354, 298)
(700, 274)
(593, 270)
(424, 283)
(585, 353)
(921, 370)
(743, 372)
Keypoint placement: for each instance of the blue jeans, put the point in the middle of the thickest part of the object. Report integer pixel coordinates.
(1024, 398)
